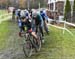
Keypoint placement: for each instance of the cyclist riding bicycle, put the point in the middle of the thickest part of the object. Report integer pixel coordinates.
(45, 18)
(25, 22)
(37, 20)
(17, 13)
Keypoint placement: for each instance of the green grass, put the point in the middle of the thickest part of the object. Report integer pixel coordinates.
(57, 45)
(4, 30)
(3, 12)
(4, 33)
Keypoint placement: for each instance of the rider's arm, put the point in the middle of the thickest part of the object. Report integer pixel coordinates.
(45, 16)
(16, 13)
(41, 19)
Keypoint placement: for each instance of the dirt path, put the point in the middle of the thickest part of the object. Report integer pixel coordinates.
(14, 45)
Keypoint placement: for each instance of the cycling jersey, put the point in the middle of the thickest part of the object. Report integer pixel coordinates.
(22, 13)
(37, 20)
(27, 24)
(27, 15)
(18, 14)
(44, 15)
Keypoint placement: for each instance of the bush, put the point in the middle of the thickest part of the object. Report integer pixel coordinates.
(67, 14)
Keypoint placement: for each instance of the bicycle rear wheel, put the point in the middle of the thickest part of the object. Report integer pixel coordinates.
(27, 48)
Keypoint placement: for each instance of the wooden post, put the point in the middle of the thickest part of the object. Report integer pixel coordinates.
(39, 6)
(64, 27)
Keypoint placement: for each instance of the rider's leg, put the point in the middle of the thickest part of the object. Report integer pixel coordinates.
(21, 26)
(46, 27)
(34, 35)
(41, 27)
(21, 29)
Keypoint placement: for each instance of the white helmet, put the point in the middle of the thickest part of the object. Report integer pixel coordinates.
(22, 13)
(19, 10)
(34, 13)
(26, 11)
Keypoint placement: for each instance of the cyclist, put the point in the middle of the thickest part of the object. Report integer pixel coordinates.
(27, 14)
(13, 14)
(45, 18)
(17, 13)
(25, 22)
(37, 20)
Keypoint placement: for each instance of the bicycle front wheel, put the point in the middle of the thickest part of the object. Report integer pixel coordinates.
(37, 44)
(27, 48)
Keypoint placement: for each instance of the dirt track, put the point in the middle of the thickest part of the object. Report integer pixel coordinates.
(14, 45)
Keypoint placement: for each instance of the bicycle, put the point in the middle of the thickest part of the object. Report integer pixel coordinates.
(30, 44)
(39, 34)
(38, 31)
(27, 46)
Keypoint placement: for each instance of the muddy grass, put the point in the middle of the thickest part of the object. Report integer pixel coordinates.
(13, 43)
(56, 46)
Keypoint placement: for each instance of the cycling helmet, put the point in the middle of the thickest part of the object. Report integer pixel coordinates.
(22, 13)
(34, 13)
(19, 10)
(41, 11)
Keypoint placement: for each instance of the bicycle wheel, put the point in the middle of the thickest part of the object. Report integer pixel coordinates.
(38, 43)
(27, 48)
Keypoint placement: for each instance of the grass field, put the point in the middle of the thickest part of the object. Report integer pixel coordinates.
(3, 12)
(4, 33)
(58, 46)
(4, 15)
